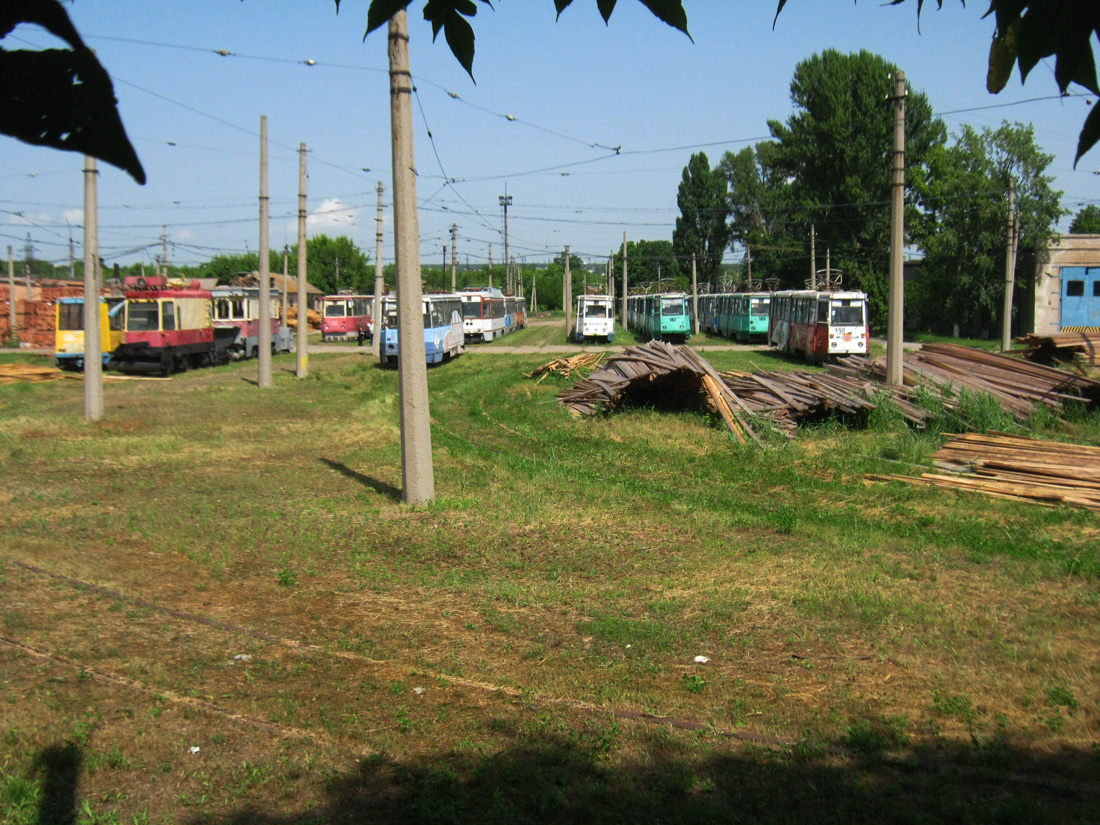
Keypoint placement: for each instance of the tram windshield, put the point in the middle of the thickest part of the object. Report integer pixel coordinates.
(471, 309)
(70, 316)
(759, 306)
(335, 309)
(143, 316)
(596, 311)
(672, 306)
(847, 313)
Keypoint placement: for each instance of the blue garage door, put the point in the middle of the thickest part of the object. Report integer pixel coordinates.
(1080, 298)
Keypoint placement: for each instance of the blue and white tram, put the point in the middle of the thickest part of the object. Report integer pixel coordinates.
(443, 334)
(484, 313)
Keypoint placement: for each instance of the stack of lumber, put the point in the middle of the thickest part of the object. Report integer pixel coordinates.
(804, 396)
(565, 367)
(658, 371)
(1020, 386)
(1061, 347)
(1026, 469)
(21, 373)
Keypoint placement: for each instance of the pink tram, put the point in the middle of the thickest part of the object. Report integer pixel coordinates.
(168, 327)
(819, 325)
(346, 316)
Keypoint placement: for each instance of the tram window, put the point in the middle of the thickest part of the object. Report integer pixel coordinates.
(1075, 289)
(759, 306)
(601, 311)
(238, 308)
(847, 313)
(70, 316)
(672, 306)
(167, 316)
(142, 317)
(1096, 289)
(335, 309)
(471, 309)
(823, 312)
(116, 315)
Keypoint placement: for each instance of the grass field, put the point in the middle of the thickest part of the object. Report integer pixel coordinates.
(215, 608)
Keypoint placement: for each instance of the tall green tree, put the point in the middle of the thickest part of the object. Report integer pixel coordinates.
(701, 228)
(652, 263)
(1087, 221)
(964, 222)
(837, 150)
(764, 221)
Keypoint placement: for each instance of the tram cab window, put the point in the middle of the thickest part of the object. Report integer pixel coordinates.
(847, 313)
(335, 309)
(672, 306)
(115, 314)
(471, 309)
(1075, 289)
(143, 317)
(596, 311)
(822, 312)
(70, 316)
(759, 306)
(167, 316)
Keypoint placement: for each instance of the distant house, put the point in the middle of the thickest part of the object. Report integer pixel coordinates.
(291, 286)
(1067, 286)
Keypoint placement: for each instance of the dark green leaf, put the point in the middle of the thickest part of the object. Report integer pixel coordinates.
(460, 37)
(671, 12)
(1074, 49)
(606, 7)
(560, 6)
(65, 100)
(1090, 134)
(381, 11)
(1034, 35)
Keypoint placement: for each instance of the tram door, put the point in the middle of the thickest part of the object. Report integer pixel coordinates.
(1080, 298)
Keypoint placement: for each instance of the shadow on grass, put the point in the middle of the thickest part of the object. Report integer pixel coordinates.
(563, 779)
(380, 487)
(60, 767)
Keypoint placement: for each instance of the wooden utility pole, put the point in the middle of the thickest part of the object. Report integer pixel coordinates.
(302, 367)
(895, 367)
(164, 250)
(813, 257)
(694, 295)
(379, 287)
(12, 327)
(626, 286)
(1010, 269)
(93, 347)
(567, 292)
(454, 268)
(418, 480)
(264, 345)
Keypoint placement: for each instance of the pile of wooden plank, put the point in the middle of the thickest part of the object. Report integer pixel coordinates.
(1020, 386)
(1061, 347)
(1006, 466)
(23, 373)
(565, 367)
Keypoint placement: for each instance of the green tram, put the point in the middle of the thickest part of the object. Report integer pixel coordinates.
(665, 316)
(741, 315)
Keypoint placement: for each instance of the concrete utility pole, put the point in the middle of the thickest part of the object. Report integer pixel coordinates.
(813, 257)
(379, 287)
(11, 294)
(748, 262)
(534, 291)
(93, 347)
(302, 367)
(1010, 269)
(265, 267)
(418, 480)
(567, 291)
(454, 268)
(895, 367)
(611, 279)
(694, 295)
(506, 201)
(490, 265)
(286, 257)
(626, 287)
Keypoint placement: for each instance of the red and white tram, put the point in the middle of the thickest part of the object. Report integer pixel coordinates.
(819, 325)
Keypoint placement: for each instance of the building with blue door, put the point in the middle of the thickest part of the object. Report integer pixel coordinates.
(1067, 286)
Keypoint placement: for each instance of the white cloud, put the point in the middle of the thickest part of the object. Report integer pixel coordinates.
(332, 218)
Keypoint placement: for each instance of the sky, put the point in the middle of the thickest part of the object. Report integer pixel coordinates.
(586, 126)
